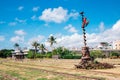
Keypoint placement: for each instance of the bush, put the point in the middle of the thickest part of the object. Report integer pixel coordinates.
(65, 53)
(71, 56)
(68, 56)
(114, 55)
(30, 54)
(4, 53)
(38, 55)
(48, 55)
(96, 54)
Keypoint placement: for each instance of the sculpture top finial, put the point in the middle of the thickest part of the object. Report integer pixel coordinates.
(82, 13)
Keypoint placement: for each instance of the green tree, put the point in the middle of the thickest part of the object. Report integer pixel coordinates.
(16, 46)
(35, 45)
(65, 53)
(96, 53)
(42, 48)
(4, 53)
(52, 40)
(30, 54)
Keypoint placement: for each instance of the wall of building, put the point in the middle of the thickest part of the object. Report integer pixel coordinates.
(116, 45)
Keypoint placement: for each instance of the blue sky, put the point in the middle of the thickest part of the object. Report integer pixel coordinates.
(25, 21)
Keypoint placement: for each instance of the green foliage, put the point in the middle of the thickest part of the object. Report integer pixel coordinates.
(38, 55)
(4, 53)
(96, 54)
(52, 40)
(114, 55)
(49, 55)
(42, 79)
(62, 52)
(30, 54)
(65, 53)
(42, 48)
(35, 44)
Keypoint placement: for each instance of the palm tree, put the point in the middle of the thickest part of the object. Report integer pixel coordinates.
(16, 45)
(42, 48)
(35, 45)
(52, 40)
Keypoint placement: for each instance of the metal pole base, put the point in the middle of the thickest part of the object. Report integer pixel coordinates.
(85, 53)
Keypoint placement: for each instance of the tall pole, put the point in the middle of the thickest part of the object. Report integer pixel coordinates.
(84, 24)
(85, 49)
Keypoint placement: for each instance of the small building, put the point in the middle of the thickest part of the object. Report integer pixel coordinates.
(105, 45)
(19, 54)
(116, 45)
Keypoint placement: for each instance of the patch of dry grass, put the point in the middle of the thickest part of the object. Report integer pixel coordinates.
(60, 65)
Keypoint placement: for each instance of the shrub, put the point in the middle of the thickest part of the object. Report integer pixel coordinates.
(38, 55)
(48, 55)
(96, 54)
(4, 53)
(114, 55)
(30, 55)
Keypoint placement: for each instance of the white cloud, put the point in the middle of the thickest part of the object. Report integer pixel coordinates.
(39, 38)
(2, 38)
(93, 39)
(102, 27)
(17, 39)
(56, 15)
(20, 32)
(46, 24)
(2, 22)
(20, 20)
(20, 8)
(74, 14)
(73, 40)
(12, 23)
(34, 17)
(70, 28)
(35, 9)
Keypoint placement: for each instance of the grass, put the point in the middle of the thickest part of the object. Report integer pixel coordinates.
(35, 70)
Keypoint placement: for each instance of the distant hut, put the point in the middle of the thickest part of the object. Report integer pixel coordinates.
(19, 54)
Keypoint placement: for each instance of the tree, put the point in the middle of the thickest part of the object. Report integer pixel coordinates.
(16, 45)
(96, 53)
(42, 48)
(4, 53)
(52, 40)
(35, 45)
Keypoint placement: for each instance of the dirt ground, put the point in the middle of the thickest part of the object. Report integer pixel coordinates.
(60, 68)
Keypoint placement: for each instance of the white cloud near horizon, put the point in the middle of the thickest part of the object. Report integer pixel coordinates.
(57, 15)
(20, 32)
(70, 28)
(102, 27)
(35, 9)
(17, 39)
(93, 39)
(38, 38)
(75, 40)
(2, 38)
(20, 8)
